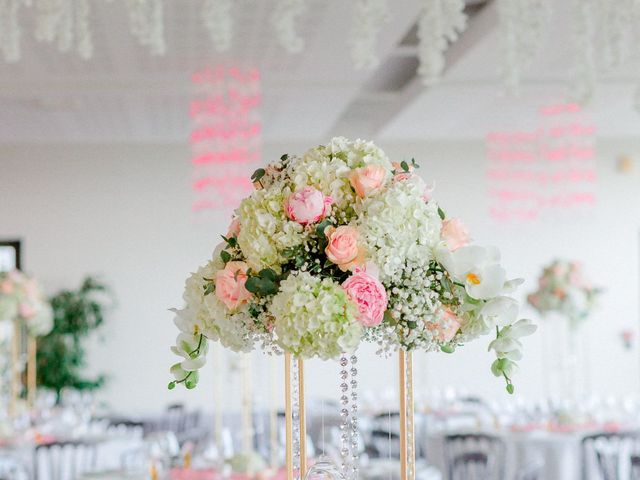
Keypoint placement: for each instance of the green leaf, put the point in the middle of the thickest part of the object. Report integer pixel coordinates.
(269, 274)
(284, 157)
(258, 174)
(320, 228)
(441, 213)
(447, 348)
(171, 385)
(209, 288)
(414, 164)
(388, 317)
(253, 285)
(510, 388)
(225, 256)
(404, 166)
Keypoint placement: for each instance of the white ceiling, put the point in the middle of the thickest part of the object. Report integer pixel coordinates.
(126, 95)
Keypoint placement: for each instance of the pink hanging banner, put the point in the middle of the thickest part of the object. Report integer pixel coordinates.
(539, 173)
(225, 136)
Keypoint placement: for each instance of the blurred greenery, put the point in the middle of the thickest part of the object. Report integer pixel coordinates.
(61, 353)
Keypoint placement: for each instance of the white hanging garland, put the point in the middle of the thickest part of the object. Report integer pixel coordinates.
(522, 25)
(218, 20)
(283, 19)
(10, 29)
(146, 21)
(370, 16)
(65, 22)
(441, 22)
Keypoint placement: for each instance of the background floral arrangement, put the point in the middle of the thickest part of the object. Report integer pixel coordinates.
(339, 246)
(22, 300)
(562, 288)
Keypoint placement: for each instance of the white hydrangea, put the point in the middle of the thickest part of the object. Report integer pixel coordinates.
(398, 226)
(327, 168)
(235, 330)
(264, 229)
(314, 317)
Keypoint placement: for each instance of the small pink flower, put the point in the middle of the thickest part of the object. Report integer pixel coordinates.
(533, 300)
(369, 295)
(308, 205)
(367, 179)
(343, 249)
(26, 311)
(444, 332)
(6, 286)
(234, 228)
(230, 287)
(454, 234)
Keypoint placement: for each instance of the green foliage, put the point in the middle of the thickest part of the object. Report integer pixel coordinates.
(61, 354)
(266, 282)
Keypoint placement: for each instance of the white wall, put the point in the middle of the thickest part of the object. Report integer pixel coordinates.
(123, 212)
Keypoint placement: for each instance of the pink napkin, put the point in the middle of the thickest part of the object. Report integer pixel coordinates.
(211, 474)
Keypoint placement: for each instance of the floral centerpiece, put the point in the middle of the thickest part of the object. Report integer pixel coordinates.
(21, 299)
(563, 289)
(340, 246)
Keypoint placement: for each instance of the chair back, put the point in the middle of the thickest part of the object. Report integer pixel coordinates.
(65, 460)
(474, 457)
(607, 451)
(634, 467)
(12, 468)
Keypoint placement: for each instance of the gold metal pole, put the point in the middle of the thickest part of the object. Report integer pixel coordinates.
(288, 415)
(31, 371)
(303, 420)
(15, 370)
(411, 441)
(403, 414)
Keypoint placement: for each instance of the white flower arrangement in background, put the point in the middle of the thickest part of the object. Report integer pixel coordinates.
(21, 300)
(218, 20)
(146, 18)
(563, 289)
(340, 246)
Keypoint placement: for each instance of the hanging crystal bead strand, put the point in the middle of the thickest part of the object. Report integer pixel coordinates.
(354, 417)
(345, 434)
(295, 416)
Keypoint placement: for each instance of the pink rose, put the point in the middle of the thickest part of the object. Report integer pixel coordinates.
(26, 311)
(369, 295)
(343, 249)
(234, 228)
(454, 234)
(446, 331)
(230, 285)
(308, 205)
(367, 179)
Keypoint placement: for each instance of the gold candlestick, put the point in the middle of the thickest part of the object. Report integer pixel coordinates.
(405, 394)
(273, 416)
(31, 371)
(247, 416)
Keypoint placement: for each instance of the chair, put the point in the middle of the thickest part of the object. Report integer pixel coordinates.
(12, 468)
(474, 457)
(65, 460)
(383, 444)
(634, 468)
(607, 450)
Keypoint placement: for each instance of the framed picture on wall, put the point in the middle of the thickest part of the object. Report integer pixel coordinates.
(9, 255)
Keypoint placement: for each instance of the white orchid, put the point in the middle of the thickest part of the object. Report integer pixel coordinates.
(193, 348)
(508, 349)
(477, 268)
(500, 311)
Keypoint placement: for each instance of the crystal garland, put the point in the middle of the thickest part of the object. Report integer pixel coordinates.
(441, 22)
(218, 21)
(522, 25)
(10, 29)
(349, 439)
(146, 20)
(370, 16)
(283, 20)
(65, 22)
